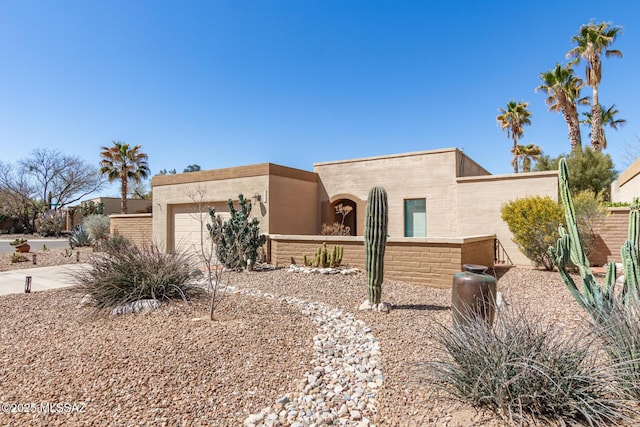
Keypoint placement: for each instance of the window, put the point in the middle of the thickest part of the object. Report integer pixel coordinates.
(415, 218)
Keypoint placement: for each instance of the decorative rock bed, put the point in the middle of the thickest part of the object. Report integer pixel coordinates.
(314, 270)
(342, 387)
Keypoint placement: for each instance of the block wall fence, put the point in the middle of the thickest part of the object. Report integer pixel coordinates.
(136, 227)
(429, 262)
(611, 236)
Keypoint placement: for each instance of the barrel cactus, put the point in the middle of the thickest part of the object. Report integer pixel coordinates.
(375, 240)
(597, 300)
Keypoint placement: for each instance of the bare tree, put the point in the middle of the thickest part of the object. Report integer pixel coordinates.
(44, 179)
(206, 251)
(60, 179)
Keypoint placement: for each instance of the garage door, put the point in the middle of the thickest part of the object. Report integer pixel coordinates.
(189, 225)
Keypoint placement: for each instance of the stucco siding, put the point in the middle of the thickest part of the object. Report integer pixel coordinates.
(481, 198)
(626, 192)
(425, 175)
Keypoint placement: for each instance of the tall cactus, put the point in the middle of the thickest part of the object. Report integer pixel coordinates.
(375, 240)
(597, 300)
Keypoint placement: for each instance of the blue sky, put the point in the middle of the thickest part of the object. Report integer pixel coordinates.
(227, 83)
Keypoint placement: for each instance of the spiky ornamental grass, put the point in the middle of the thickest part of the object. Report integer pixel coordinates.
(527, 372)
(125, 273)
(620, 338)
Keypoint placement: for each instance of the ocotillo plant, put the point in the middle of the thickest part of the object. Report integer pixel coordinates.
(597, 300)
(375, 240)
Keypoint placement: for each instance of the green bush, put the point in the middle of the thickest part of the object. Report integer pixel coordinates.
(127, 273)
(534, 222)
(238, 239)
(590, 170)
(532, 373)
(97, 227)
(616, 204)
(50, 223)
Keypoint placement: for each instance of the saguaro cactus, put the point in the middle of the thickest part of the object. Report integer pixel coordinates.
(375, 240)
(597, 300)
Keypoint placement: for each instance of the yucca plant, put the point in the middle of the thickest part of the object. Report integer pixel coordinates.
(528, 372)
(79, 237)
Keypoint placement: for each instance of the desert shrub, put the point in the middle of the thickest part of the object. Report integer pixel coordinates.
(527, 371)
(16, 258)
(534, 222)
(335, 229)
(97, 226)
(238, 239)
(619, 333)
(590, 215)
(113, 242)
(50, 223)
(126, 273)
(79, 237)
(338, 228)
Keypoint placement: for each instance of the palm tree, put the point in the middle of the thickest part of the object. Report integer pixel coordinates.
(124, 163)
(528, 153)
(592, 40)
(563, 90)
(607, 118)
(511, 120)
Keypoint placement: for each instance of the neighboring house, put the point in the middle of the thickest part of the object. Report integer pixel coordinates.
(627, 186)
(111, 206)
(432, 194)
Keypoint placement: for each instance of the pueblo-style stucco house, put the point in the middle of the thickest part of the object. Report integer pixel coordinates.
(440, 202)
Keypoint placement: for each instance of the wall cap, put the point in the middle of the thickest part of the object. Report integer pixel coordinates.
(139, 215)
(418, 240)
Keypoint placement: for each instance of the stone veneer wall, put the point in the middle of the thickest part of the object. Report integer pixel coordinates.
(136, 227)
(430, 261)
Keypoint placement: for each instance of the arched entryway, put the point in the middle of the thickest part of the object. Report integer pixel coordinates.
(344, 213)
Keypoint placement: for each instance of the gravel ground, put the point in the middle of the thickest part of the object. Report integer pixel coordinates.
(174, 367)
(44, 258)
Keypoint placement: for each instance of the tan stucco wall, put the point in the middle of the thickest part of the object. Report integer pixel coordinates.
(165, 197)
(627, 186)
(481, 198)
(429, 262)
(293, 206)
(288, 197)
(430, 175)
(112, 205)
(135, 227)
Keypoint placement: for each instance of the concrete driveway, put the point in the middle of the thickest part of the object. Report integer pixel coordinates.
(42, 278)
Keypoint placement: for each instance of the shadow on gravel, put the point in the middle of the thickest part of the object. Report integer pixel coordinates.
(421, 307)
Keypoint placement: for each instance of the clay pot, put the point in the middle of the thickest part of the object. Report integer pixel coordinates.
(473, 295)
(23, 247)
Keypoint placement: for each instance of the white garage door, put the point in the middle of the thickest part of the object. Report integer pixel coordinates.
(189, 225)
